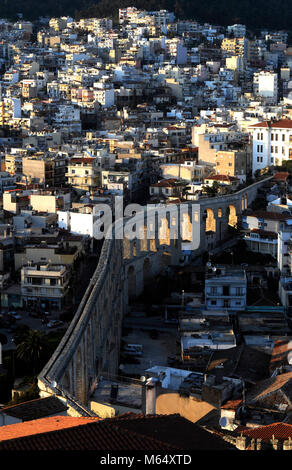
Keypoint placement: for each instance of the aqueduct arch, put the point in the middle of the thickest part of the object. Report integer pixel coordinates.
(210, 220)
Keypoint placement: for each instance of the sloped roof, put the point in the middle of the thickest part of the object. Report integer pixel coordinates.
(282, 348)
(269, 215)
(272, 391)
(281, 124)
(127, 432)
(39, 426)
(281, 176)
(35, 409)
(278, 430)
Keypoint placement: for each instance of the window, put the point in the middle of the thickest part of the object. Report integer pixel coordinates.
(272, 149)
(283, 137)
(276, 149)
(225, 290)
(213, 302)
(272, 136)
(276, 136)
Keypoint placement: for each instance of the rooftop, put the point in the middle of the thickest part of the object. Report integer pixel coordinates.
(35, 409)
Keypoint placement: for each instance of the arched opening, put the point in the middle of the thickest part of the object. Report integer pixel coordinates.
(186, 229)
(232, 217)
(131, 282)
(164, 232)
(147, 271)
(143, 241)
(153, 245)
(219, 212)
(127, 248)
(135, 248)
(210, 221)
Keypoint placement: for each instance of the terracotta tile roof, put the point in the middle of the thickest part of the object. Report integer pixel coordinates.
(222, 178)
(269, 215)
(231, 405)
(127, 432)
(281, 124)
(282, 382)
(39, 426)
(281, 176)
(278, 430)
(35, 409)
(82, 160)
(280, 353)
(165, 183)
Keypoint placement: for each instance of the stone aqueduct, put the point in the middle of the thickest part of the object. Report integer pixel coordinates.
(91, 345)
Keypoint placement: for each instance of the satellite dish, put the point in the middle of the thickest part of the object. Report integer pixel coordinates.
(54, 384)
(122, 367)
(209, 264)
(143, 378)
(214, 269)
(223, 422)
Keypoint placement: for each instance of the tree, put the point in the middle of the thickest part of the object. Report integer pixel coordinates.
(30, 350)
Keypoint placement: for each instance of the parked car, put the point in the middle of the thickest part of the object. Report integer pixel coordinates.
(54, 323)
(15, 315)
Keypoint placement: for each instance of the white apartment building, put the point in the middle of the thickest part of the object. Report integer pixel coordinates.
(272, 143)
(265, 84)
(225, 288)
(284, 254)
(104, 96)
(83, 220)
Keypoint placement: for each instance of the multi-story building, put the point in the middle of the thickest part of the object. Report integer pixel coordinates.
(83, 174)
(225, 288)
(238, 30)
(272, 143)
(265, 84)
(233, 163)
(7, 181)
(13, 162)
(234, 46)
(44, 169)
(45, 285)
(262, 241)
(10, 109)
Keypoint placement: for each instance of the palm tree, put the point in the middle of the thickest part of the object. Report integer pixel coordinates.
(31, 348)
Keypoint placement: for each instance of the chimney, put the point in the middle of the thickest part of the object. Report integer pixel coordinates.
(287, 445)
(151, 396)
(242, 442)
(274, 443)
